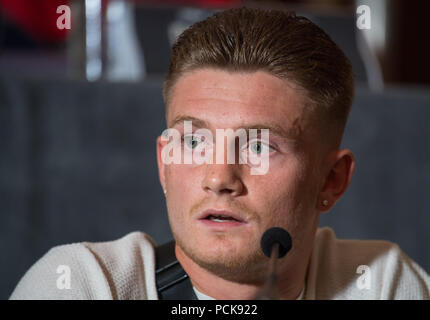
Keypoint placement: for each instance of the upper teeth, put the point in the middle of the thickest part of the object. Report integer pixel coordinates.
(219, 218)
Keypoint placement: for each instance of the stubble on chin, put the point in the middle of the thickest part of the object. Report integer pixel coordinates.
(246, 265)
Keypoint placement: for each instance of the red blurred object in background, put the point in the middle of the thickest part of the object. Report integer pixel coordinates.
(209, 3)
(38, 18)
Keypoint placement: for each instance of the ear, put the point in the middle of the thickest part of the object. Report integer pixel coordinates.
(341, 165)
(160, 162)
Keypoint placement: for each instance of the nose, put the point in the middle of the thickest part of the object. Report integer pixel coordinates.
(222, 179)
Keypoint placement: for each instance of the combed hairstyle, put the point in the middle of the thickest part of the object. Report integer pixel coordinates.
(285, 45)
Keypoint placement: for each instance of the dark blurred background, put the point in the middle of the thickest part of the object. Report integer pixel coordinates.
(80, 110)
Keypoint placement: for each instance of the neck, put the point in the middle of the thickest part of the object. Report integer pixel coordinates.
(290, 283)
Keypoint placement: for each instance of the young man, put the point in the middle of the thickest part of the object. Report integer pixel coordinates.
(247, 69)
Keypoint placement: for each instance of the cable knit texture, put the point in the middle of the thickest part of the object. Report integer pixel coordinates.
(125, 269)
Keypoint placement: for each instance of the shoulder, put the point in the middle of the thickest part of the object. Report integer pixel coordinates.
(119, 269)
(363, 269)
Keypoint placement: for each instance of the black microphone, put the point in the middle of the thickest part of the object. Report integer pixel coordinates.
(275, 244)
(276, 235)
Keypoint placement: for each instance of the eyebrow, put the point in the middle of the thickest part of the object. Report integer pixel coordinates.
(196, 122)
(290, 134)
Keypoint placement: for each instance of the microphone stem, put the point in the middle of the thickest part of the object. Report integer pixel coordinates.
(270, 288)
(274, 258)
(272, 279)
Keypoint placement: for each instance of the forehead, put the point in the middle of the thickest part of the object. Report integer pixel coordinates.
(231, 99)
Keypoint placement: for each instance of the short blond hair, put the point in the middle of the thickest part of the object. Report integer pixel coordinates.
(279, 42)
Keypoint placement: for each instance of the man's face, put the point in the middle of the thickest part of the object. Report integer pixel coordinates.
(284, 197)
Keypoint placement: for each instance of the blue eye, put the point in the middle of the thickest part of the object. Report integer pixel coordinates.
(258, 147)
(191, 141)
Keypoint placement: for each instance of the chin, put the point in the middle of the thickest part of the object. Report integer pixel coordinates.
(239, 261)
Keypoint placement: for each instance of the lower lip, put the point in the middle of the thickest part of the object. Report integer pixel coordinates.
(222, 225)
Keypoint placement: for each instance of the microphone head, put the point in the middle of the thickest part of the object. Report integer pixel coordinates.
(273, 235)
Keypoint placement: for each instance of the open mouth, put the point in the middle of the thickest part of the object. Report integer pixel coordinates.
(221, 218)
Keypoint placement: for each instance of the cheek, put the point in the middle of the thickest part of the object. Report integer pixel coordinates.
(183, 188)
(179, 177)
(285, 179)
(286, 191)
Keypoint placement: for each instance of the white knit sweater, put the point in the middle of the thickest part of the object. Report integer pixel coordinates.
(125, 268)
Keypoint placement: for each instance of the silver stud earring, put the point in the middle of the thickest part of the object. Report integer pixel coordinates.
(325, 203)
(165, 192)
